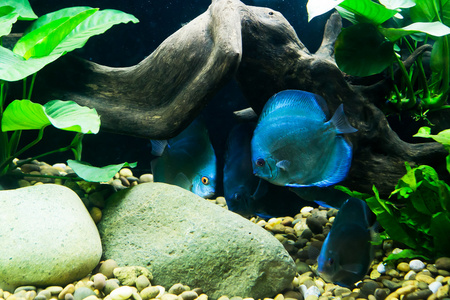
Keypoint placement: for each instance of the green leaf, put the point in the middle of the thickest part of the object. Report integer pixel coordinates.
(431, 28)
(96, 24)
(373, 12)
(395, 4)
(22, 7)
(68, 115)
(24, 115)
(440, 227)
(438, 59)
(95, 174)
(406, 253)
(442, 137)
(360, 50)
(319, 7)
(42, 41)
(7, 19)
(14, 67)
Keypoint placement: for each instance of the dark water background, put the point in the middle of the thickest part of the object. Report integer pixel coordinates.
(128, 44)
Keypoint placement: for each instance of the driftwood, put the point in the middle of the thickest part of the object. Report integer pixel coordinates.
(158, 97)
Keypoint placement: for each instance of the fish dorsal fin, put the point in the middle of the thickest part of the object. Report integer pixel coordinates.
(158, 147)
(340, 121)
(283, 164)
(181, 180)
(296, 102)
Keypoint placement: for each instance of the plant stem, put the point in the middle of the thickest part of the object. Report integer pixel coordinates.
(39, 137)
(31, 86)
(409, 88)
(44, 154)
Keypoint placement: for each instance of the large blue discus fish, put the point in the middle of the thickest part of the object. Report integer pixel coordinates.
(294, 144)
(347, 251)
(187, 160)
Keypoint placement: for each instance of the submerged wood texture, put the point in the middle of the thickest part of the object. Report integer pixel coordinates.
(161, 95)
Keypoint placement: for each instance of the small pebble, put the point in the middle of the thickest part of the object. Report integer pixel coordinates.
(424, 278)
(44, 293)
(121, 293)
(403, 267)
(91, 297)
(443, 263)
(434, 286)
(176, 289)
(149, 292)
(24, 288)
(188, 295)
(110, 285)
(107, 268)
(82, 293)
(381, 268)
(99, 280)
(142, 282)
(416, 265)
(126, 172)
(411, 275)
(54, 290)
(68, 289)
(129, 275)
(146, 178)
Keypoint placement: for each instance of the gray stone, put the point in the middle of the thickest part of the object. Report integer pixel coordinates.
(83, 292)
(443, 263)
(183, 238)
(50, 238)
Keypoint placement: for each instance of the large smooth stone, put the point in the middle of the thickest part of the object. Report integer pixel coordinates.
(184, 238)
(48, 237)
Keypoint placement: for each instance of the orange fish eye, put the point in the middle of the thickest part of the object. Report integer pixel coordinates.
(205, 180)
(260, 162)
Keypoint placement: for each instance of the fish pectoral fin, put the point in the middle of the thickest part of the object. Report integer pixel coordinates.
(261, 190)
(181, 180)
(353, 268)
(158, 147)
(339, 120)
(283, 164)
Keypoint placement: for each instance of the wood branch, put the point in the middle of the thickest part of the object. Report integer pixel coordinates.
(158, 97)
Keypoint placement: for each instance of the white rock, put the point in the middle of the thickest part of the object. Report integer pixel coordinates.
(312, 290)
(48, 237)
(410, 275)
(434, 286)
(306, 210)
(416, 265)
(381, 268)
(121, 293)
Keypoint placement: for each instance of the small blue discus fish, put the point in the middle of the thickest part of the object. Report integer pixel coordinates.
(187, 160)
(294, 144)
(245, 193)
(347, 250)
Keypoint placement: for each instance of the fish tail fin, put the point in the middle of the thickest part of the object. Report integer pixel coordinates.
(340, 121)
(158, 147)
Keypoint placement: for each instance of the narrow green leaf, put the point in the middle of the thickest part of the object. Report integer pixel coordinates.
(95, 174)
(319, 7)
(56, 31)
(7, 19)
(68, 115)
(360, 50)
(24, 115)
(22, 7)
(14, 67)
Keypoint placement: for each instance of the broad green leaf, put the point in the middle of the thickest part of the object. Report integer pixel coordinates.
(68, 115)
(24, 115)
(395, 4)
(423, 11)
(14, 67)
(96, 174)
(373, 12)
(442, 137)
(440, 55)
(56, 15)
(96, 24)
(7, 19)
(360, 50)
(319, 7)
(22, 7)
(406, 253)
(39, 45)
(440, 227)
(431, 28)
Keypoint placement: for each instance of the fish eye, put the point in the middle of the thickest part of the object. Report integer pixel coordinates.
(205, 180)
(260, 162)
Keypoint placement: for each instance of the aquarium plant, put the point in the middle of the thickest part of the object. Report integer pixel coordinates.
(379, 34)
(48, 38)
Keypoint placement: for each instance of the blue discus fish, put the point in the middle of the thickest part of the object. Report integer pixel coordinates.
(245, 193)
(347, 251)
(187, 160)
(294, 144)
